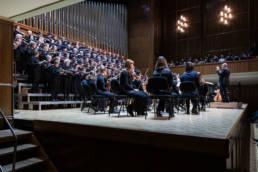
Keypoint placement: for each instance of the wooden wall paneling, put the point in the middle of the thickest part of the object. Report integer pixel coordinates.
(6, 65)
(141, 33)
(209, 34)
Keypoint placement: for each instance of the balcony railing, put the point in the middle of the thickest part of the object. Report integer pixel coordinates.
(234, 66)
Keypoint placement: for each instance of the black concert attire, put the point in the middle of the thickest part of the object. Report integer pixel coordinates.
(43, 55)
(166, 73)
(192, 76)
(101, 89)
(67, 81)
(85, 89)
(55, 81)
(35, 72)
(224, 83)
(203, 90)
(46, 76)
(76, 81)
(141, 99)
(20, 56)
(137, 84)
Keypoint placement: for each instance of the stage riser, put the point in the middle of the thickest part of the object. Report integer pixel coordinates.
(87, 154)
(77, 147)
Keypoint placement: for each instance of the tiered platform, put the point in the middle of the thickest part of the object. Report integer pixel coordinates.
(26, 100)
(216, 140)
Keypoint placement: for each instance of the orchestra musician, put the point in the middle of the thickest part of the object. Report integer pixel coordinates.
(224, 74)
(101, 87)
(137, 83)
(161, 69)
(192, 76)
(141, 99)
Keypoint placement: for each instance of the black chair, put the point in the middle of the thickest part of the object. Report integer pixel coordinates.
(97, 101)
(158, 89)
(85, 94)
(120, 98)
(187, 88)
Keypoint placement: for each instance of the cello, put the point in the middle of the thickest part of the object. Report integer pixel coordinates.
(218, 97)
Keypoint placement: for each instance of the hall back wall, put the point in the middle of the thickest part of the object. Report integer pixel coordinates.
(205, 34)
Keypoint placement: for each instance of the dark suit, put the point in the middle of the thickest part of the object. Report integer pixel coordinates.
(85, 89)
(55, 81)
(224, 83)
(35, 73)
(43, 55)
(101, 89)
(141, 99)
(67, 80)
(192, 76)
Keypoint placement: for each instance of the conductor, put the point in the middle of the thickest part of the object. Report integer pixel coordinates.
(224, 74)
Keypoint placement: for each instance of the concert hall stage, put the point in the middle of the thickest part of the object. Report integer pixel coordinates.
(215, 140)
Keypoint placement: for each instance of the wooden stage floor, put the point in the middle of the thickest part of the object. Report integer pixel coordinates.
(214, 123)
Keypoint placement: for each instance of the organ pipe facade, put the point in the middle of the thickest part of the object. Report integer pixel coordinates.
(98, 24)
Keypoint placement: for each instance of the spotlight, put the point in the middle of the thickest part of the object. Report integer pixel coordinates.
(221, 13)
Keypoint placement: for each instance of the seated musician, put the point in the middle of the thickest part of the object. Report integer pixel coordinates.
(101, 87)
(191, 75)
(85, 86)
(141, 99)
(137, 83)
(161, 69)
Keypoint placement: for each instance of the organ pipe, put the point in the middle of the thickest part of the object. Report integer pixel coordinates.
(98, 24)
